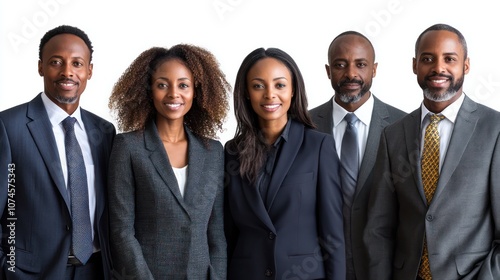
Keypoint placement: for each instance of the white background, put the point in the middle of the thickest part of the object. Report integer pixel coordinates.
(121, 30)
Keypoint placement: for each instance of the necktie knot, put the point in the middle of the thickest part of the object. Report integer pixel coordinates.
(436, 118)
(350, 118)
(69, 123)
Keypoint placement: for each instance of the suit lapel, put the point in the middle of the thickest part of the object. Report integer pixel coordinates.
(464, 128)
(412, 139)
(97, 148)
(284, 162)
(256, 203)
(377, 124)
(159, 158)
(326, 125)
(197, 161)
(41, 131)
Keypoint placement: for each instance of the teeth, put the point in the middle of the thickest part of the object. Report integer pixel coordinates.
(176, 105)
(66, 85)
(273, 106)
(438, 81)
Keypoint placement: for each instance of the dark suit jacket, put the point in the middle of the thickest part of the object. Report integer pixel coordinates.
(383, 115)
(155, 232)
(462, 223)
(43, 226)
(298, 231)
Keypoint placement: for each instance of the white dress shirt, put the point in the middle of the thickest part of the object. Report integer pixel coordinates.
(445, 126)
(364, 115)
(181, 176)
(56, 116)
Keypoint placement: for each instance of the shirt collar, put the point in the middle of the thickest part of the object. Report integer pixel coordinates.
(57, 115)
(284, 134)
(449, 112)
(363, 113)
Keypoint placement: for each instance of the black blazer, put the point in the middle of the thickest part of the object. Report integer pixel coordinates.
(298, 231)
(42, 208)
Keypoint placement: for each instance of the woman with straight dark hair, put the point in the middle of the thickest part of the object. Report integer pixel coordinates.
(284, 202)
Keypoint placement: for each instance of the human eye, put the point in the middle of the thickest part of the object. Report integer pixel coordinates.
(183, 85)
(77, 64)
(280, 85)
(426, 59)
(450, 59)
(55, 62)
(362, 64)
(161, 85)
(257, 86)
(339, 65)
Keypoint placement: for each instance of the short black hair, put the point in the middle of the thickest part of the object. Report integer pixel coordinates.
(350, 32)
(446, 27)
(64, 29)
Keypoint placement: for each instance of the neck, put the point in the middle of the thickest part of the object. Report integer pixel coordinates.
(170, 132)
(272, 130)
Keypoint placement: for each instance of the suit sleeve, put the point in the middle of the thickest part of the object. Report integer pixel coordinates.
(216, 238)
(491, 265)
(330, 218)
(379, 233)
(7, 179)
(126, 252)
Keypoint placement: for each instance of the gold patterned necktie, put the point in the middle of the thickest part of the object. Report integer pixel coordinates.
(430, 176)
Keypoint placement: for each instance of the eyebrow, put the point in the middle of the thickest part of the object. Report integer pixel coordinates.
(448, 53)
(275, 79)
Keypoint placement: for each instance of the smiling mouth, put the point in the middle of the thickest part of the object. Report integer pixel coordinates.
(173, 105)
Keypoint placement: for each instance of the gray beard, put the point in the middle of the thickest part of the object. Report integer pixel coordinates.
(449, 94)
(347, 99)
(70, 100)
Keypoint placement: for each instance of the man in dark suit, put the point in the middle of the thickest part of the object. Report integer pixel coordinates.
(37, 205)
(434, 211)
(351, 67)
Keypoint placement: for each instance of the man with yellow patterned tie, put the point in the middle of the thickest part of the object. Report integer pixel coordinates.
(434, 210)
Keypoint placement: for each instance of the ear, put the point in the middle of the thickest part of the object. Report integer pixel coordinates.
(91, 67)
(374, 69)
(414, 66)
(466, 65)
(40, 68)
(327, 67)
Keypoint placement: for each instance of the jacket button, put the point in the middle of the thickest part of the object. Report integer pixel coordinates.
(271, 235)
(67, 228)
(269, 273)
(429, 218)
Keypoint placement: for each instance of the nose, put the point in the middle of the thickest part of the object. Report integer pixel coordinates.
(67, 70)
(268, 93)
(351, 72)
(172, 92)
(439, 66)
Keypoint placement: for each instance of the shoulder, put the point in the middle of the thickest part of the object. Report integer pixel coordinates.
(394, 113)
(97, 120)
(13, 113)
(321, 108)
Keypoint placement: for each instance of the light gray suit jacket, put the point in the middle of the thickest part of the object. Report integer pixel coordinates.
(462, 223)
(383, 115)
(155, 232)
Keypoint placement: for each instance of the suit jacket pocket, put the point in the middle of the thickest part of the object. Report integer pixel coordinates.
(465, 262)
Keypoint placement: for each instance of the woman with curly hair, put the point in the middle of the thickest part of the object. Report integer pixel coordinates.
(284, 215)
(166, 169)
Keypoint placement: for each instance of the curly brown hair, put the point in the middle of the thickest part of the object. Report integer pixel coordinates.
(131, 95)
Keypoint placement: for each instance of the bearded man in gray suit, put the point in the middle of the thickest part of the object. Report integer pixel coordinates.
(351, 68)
(447, 227)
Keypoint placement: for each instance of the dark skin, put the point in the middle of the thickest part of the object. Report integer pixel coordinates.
(65, 67)
(351, 69)
(440, 61)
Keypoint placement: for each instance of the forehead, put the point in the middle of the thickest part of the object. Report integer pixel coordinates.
(440, 42)
(66, 44)
(172, 65)
(351, 45)
(269, 65)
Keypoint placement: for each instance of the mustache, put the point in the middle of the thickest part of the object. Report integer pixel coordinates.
(66, 80)
(439, 75)
(348, 81)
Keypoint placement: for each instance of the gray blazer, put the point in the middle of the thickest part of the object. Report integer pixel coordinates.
(383, 115)
(155, 232)
(462, 223)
